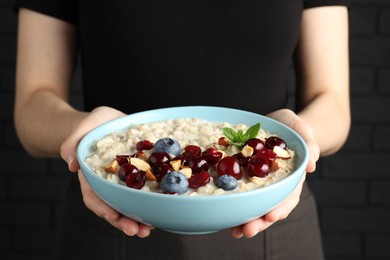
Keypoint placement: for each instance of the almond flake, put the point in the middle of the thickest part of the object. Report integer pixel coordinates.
(140, 164)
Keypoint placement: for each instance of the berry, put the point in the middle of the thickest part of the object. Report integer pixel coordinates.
(230, 166)
(275, 141)
(197, 164)
(159, 157)
(193, 150)
(122, 159)
(267, 154)
(174, 182)
(167, 145)
(144, 145)
(160, 169)
(258, 166)
(241, 159)
(212, 155)
(136, 180)
(227, 182)
(125, 170)
(256, 144)
(199, 179)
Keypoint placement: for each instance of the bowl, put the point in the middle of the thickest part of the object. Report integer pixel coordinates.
(194, 214)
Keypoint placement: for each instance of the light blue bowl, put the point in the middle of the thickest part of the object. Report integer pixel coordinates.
(202, 214)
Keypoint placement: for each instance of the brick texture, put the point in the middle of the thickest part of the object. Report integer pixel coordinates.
(352, 187)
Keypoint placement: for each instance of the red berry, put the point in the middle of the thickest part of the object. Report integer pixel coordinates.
(258, 166)
(125, 170)
(197, 164)
(275, 141)
(144, 145)
(122, 159)
(241, 159)
(230, 166)
(136, 180)
(212, 155)
(159, 157)
(160, 169)
(193, 150)
(267, 154)
(256, 144)
(199, 179)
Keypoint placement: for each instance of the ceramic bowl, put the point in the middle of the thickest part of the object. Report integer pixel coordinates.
(194, 214)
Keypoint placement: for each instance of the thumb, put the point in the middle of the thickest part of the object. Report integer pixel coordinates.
(97, 117)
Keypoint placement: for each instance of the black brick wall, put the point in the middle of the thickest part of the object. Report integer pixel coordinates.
(352, 187)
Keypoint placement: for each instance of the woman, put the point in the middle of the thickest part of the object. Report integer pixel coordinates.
(149, 54)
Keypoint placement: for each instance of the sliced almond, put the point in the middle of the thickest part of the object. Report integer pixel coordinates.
(274, 166)
(176, 164)
(150, 176)
(247, 151)
(112, 167)
(141, 155)
(140, 164)
(281, 153)
(186, 171)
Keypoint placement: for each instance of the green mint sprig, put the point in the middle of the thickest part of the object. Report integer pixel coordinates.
(239, 138)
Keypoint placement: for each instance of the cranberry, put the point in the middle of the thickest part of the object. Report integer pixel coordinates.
(183, 158)
(256, 144)
(258, 166)
(267, 154)
(193, 150)
(144, 145)
(275, 141)
(159, 157)
(199, 179)
(125, 170)
(160, 169)
(122, 159)
(136, 180)
(197, 164)
(241, 159)
(230, 166)
(212, 155)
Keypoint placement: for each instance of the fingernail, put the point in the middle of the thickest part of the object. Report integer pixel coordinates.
(107, 218)
(70, 161)
(124, 231)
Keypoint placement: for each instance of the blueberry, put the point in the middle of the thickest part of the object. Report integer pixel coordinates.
(167, 145)
(227, 182)
(174, 182)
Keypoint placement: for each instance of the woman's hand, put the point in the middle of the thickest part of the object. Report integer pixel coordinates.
(97, 117)
(281, 212)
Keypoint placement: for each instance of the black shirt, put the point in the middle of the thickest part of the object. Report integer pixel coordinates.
(138, 55)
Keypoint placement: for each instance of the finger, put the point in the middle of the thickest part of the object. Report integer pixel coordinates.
(236, 232)
(252, 228)
(94, 203)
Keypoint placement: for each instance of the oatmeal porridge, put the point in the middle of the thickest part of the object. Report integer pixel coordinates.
(193, 157)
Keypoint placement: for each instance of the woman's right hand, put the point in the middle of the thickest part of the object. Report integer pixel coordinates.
(97, 117)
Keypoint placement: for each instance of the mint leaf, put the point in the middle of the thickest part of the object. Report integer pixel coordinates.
(239, 138)
(229, 133)
(251, 132)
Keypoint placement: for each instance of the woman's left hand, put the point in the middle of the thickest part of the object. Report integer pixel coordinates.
(281, 212)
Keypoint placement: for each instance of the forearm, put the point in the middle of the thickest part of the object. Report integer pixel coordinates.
(330, 121)
(44, 121)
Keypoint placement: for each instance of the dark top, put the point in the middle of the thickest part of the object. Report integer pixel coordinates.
(138, 55)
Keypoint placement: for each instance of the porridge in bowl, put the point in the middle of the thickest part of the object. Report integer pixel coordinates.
(191, 156)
